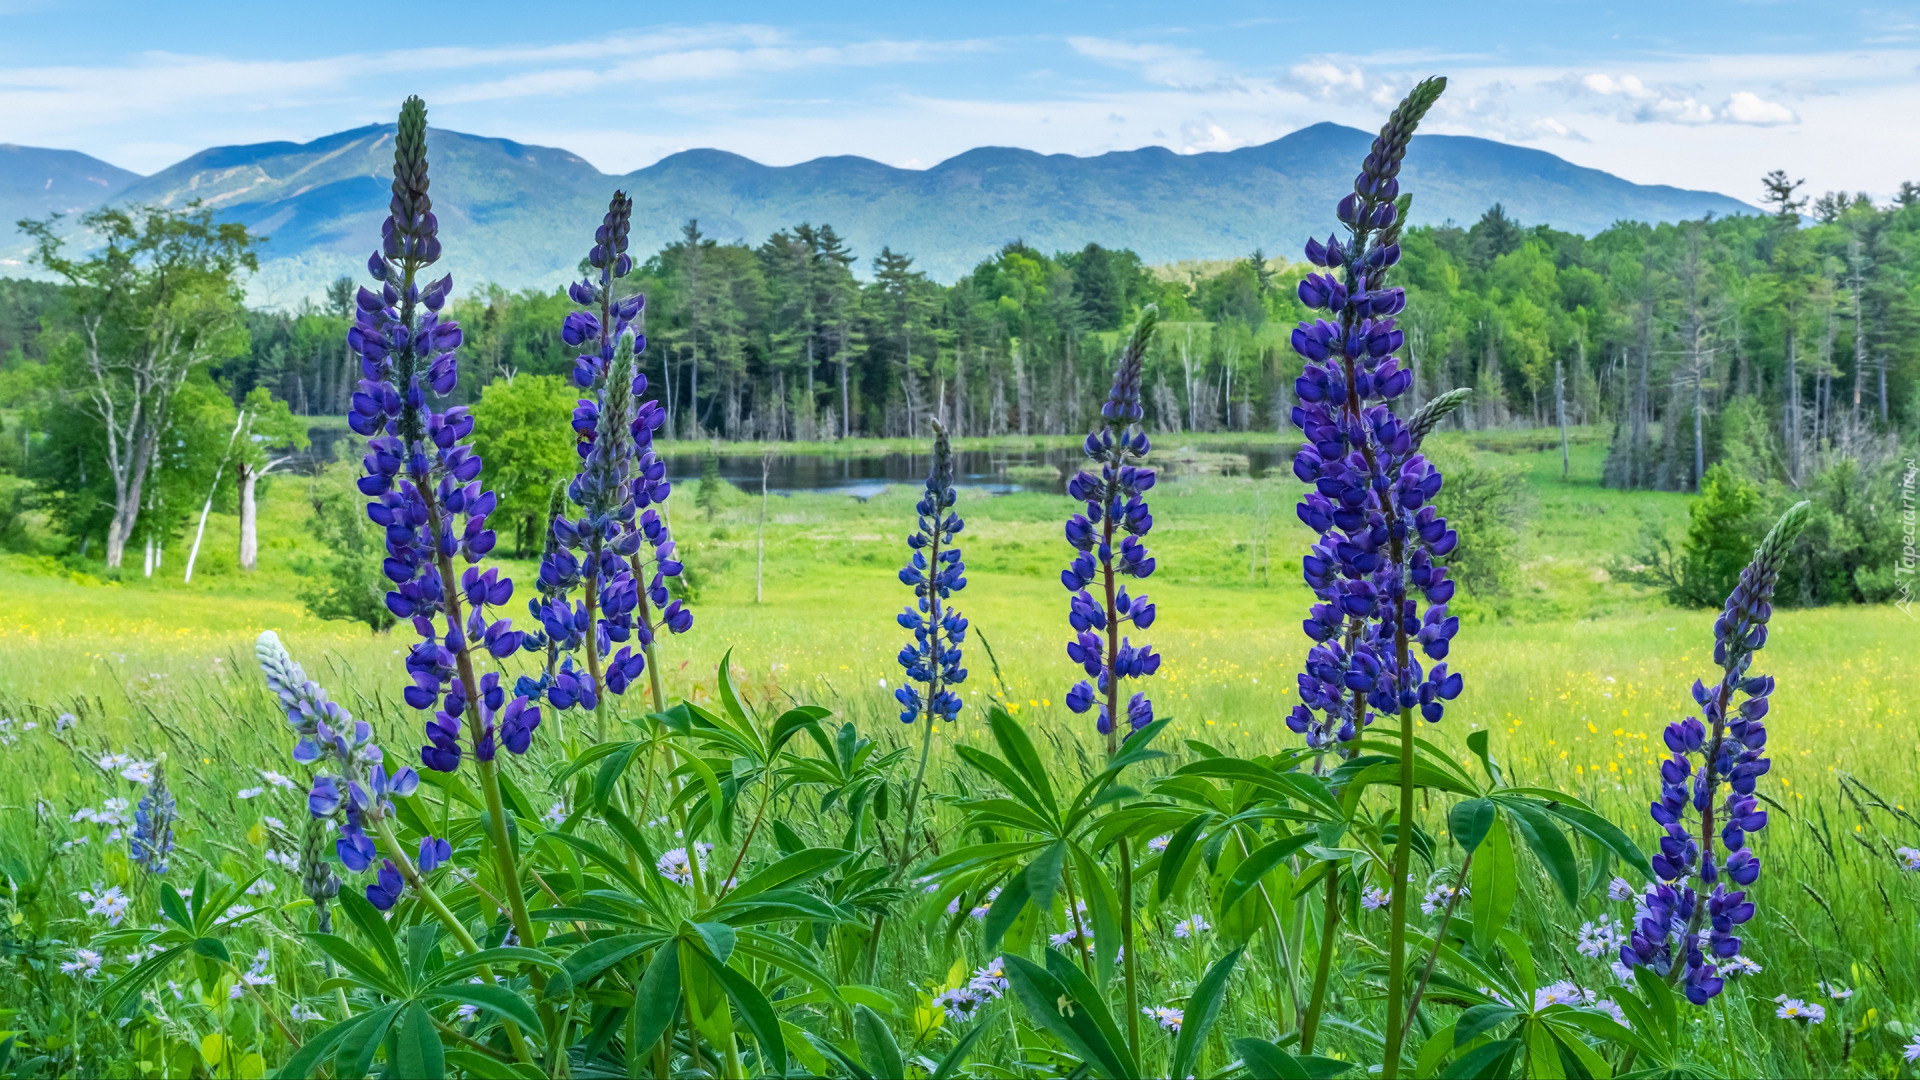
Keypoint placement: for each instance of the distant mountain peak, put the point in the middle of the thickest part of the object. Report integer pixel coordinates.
(518, 214)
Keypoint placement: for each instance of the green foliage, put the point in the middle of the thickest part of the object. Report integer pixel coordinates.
(522, 429)
(1485, 500)
(347, 583)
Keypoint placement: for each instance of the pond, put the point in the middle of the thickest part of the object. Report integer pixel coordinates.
(997, 472)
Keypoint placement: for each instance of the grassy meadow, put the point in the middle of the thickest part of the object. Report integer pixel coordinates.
(1573, 672)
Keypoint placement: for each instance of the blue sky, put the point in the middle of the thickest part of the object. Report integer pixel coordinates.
(1706, 95)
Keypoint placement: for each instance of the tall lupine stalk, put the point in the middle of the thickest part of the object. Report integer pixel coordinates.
(1728, 740)
(1378, 535)
(425, 482)
(150, 840)
(611, 426)
(932, 660)
(1116, 503)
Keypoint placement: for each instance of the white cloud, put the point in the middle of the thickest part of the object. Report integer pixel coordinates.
(1746, 107)
(1326, 78)
(1165, 64)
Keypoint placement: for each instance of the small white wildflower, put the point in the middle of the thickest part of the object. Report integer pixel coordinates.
(277, 780)
(301, 1014)
(140, 772)
(1191, 927)
(1734, 967)
(1620, 890)
(467, 1013)
(283, 860)
(991, 979)
(85, 964)
(1598, 939)
(1909, 858)
(64, 721)
(1373, 898)
(1563, 992)
(250, 793)
(1437, 899)
(1912, 1050)
(109, 904)
(1166, 1016)
(1159, 843)
(960, 1004)
(273, 822)
(1835, 991)
(260, 888)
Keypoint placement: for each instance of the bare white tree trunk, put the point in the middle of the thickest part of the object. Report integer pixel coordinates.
(193, 553)
(249, 518)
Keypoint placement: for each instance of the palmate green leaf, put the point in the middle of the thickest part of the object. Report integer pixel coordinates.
(174, 907)
(1495, 884)
(657, 999)
(1050, 1004)
(373, 927)
(1548, 844)
(1659, 1001)
(121, 998)
(354, 1056)
(505, 956)
(1480, 1019)
(305, 1060)
(604, 859)
(1490, 1062)
(606, 779)
(758, 1015)
(1203, 1008)
(878, 1050)
(1103, 908)
(729, 699)
(1246, 877)
(363, 968)
(583, 759)
(1179, 851)
(1011, 813)
(1005, 908)
(1543, 1052)
(418, 1052)
(1292, 785)
(1266, 1061)
(1605, 833)
(1018, 750)
(796, 720)
(1008, 778)
(1043, 873)
(1469, 821)
(491, 997)
(1607, 1028)
(590, 960)
(795, 869)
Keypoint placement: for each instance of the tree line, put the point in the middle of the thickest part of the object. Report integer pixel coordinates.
(1782, 341)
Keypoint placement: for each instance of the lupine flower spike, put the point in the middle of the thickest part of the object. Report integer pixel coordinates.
(1108, 538)
(1691, 890)
(424, 480)
(934, 573)
(1379, 536)
(619, 474)
(351, 786)
(151, 839)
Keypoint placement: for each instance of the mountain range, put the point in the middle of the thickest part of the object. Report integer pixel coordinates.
(521, 215)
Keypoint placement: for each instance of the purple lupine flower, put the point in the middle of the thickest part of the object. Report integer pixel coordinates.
(387, 886)
(354, 791)
(150, 840)
(1116, 503)
(1370, 503)
(935, 573)
(424, 480)
(1729, 743)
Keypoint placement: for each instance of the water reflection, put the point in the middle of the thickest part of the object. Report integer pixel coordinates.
(997, 472)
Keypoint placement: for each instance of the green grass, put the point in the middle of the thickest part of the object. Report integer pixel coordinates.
(1573, 673)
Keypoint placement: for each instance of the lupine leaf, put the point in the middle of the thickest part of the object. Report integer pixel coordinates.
(1255, 866)
(1606, 832)
(761, 1022)
(1018, 751)
(357, 1047)
(1265, 1061)
(493, 998)
(1490, 1062)
(657, 998)
(1479, 1020)
(1043, 873)
(305, 1060)
(1180, 848)
(878, 1050)
(418, 1049)
(1469, 821)
(1005, 907)
(1495, 885)
(1049, 1005)
(795, 869)
(1203, 1008)
(729, 699)
(1549, 845)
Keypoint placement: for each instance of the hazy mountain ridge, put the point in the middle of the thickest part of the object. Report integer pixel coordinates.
(520, 215)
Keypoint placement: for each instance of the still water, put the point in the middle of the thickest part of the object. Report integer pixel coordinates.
(997, 472)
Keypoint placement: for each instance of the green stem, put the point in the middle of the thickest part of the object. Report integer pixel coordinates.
(1402, 861)
(1126, 940)
(593, 658)
(1440, 935)
(384, 827)
(913, 793)
(1073, 909)
(1329, 926)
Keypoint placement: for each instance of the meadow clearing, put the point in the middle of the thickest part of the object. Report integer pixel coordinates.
(1573, 673)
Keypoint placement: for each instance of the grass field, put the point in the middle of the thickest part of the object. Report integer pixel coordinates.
(1575, 675)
